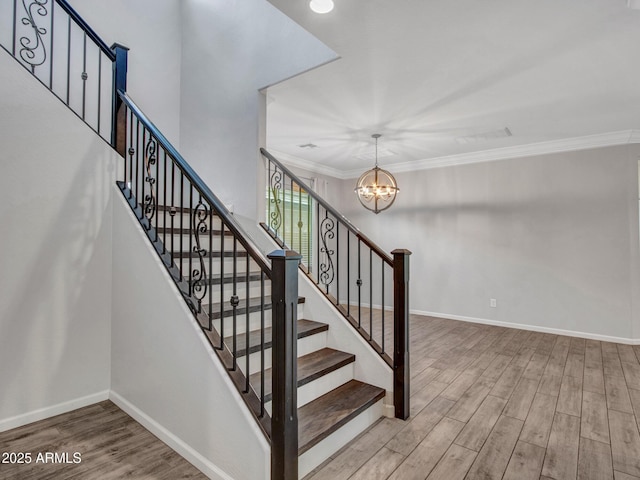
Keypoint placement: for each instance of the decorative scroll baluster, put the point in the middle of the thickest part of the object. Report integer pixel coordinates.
(275, 185)
(150, 202)
(33, 51)
(326, 273)
(200, 227)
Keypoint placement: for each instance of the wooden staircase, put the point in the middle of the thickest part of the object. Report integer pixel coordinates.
(333, 406)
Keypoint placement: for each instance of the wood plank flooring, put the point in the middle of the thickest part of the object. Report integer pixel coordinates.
(486, 403)
(112, 446)
(497, 403)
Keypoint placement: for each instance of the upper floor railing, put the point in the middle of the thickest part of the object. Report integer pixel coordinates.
(367, 285)
(66, 55)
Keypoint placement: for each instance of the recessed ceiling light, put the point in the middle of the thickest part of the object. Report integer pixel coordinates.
(321, 6)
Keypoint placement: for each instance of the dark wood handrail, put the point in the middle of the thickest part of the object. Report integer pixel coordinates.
(85, 26)
(369, 243)
(202, 187)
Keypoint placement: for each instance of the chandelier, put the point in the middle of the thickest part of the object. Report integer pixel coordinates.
(376, 188)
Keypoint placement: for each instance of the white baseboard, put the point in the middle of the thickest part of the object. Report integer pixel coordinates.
(186, 451)
(52, 411)
(534, 328)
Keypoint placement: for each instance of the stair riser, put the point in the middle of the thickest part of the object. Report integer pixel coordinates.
(160, 221)
(334, 442)
(255, 322)
(213, 266)
(305, 345)
(214, 294)
(209, 243)
(312, 390)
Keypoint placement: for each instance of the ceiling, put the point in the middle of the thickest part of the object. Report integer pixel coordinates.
(439, 78)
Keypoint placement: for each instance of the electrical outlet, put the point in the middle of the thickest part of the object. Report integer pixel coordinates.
(493, 303)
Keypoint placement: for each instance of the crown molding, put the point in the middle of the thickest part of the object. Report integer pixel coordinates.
(292, 160)
(611, 139)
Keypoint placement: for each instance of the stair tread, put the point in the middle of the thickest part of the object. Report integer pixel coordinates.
(310, 367)
(216, 278)
(214, 254)
(255, 303)
(326, 414)
(177, 209)
(189, 231)
(305, 329)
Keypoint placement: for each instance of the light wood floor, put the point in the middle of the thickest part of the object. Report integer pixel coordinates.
(496, 403)
(112, 446)
(487, 403)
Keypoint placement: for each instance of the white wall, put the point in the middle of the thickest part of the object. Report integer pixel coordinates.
(230, 51)
(152, 31)
(165, 374)
(553, 238)
(55, 254)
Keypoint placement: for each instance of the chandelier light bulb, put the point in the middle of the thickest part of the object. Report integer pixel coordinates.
(321, 6)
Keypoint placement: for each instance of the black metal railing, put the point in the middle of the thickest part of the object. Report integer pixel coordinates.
(65, 54)
(226, 281)
(223, 278)
(368, 286)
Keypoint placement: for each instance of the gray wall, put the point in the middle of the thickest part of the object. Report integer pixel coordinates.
(553, 238)
(55, 255)
(231, 50)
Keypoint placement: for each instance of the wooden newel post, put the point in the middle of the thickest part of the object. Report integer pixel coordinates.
(284, 419)
(119, 126)
(401, 333)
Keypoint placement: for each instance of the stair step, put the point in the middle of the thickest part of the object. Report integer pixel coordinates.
(310, 367)
(189, 231)
(326, 414)
(169, 209)
(217, 279)
(255, 304)
(214, 254)
(305, 329)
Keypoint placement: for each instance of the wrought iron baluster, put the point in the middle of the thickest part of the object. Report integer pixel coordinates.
(68, 59)
(210, 279)
(338, 263)
(370, 294)
(84, 74)
(309, 233)
(348, 274)
(326, 272)
(359, 284)
(150, 160)
(262, 326)
(275, 185)
(382, 321)
(137, 151)
(199, 275)
(181, 212)
(235, 301)
(247, 330)
(33, 52)
(99, 88)
(53, 9)
(15, 30)
(190, 233)
(172, 212)
(222, 282)
(164, 202)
